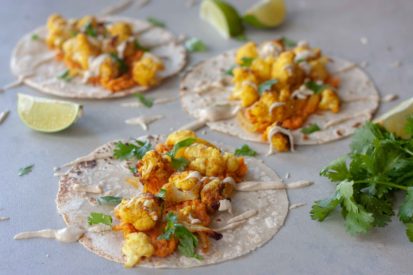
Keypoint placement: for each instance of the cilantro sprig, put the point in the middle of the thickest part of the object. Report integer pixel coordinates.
(246, 61)
(35, 37)
(26, 170)
(123, 67)
(130, 150)
(146, 101)
(188, 242)
(156, 22)
(378, 166)
(195, 45)
(245, 150)
(161, 194)
(180, 164)
(99, 218)
(266, 86)
(230, 70)
(65, 76)
(288, 43)
(109, 200)
(90, 30)
(313, 127)
(315, 87)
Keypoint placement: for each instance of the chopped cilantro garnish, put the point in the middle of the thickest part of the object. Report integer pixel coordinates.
(187, 240)
(266, 86)
(245, 150)
(310, 129)
(97, 218)
(111, 200)
(315, 87)
(147, 102)
(90, 30)
(129, 150)
(123, 67)
(65, 76)
(367, 179)
(35, 37)
(246, 61)
(156, 22)
(180, 164)
(26, 170)
(288, 43)
(195, 45)
(161, 194)
(230, 70)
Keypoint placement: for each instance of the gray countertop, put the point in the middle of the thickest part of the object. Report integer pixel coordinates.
(302, 245)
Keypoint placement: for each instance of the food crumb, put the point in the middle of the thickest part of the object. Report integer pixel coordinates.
(287, 175)
(47, 255)
(364, 40)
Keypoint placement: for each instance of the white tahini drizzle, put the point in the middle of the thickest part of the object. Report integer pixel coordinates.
(94, 66)
(225, 205)
(302, 93)
(269, 49)
(275, 105)
(68, 234)
(3, 116)
(143, 121)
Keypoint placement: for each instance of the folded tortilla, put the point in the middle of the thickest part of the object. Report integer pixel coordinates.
(111, 175)
(358, 95)
(35, 62)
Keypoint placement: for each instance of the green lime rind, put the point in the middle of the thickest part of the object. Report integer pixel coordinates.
(254, 22)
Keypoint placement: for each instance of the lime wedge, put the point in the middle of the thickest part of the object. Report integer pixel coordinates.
(46, 115)
(395, 119)
(223, 17)
(266, 14)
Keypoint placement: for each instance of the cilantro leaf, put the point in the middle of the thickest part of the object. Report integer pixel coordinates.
(288, 42)
(245, 150)
(161, 194)
(147, 102)
(111, 200)
(310, 129)
(358, 222)
(406, 208)
(230, 71)
(181, 144)
(315, 87)
(26, 170)
(138, 46)
(188, 242)
(409, 125)
(35, 37)
(179, 164)
(336, 171)
(409, 231)
(265, 86)
(123, 67)
(129, 150)
(97, 218)
(322, 208)
(195, 45)
(156, 22)
(90, 30)
(65, 76)
(246, 61)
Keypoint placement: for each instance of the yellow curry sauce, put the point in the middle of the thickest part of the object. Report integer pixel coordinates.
(102, 53)
(193, 195)
(279, 84)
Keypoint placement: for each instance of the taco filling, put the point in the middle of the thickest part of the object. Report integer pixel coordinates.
(102, 53)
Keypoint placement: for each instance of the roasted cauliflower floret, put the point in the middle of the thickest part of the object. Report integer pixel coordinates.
(58, 31)
(262, 67)
(108, 69)
(174, 195)
(242, 79)
(142, 212)
(193, 212)
(136, 246)
(214, 191)
(145, 70)
(329, 101)
(249, 94)
(319, 69)
(181, 135)
(249, 50)
(86, 21)
(185, 180)
(154, 171)
(80, 49)
(286, 71)
(279, 141)
(121, 30)
(204, 159)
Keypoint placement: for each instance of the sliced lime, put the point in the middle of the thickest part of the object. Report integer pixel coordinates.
(395, 119)
(223, 17)
(266, 14)
(46, 115)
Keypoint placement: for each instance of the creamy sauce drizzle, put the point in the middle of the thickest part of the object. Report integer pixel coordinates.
(345, 118)
(275, 105)
(95, 189)
(302, 93)
(225, 205)
(389, 98)
(269, 49)
(346, 68)
(218, 84)
(68, 234)
(3, 116)
(296, 205)
(4, 218)
(277, 129)
(248, 186)
(156, 101)
(193, 174)
(244, 216)
(94, 66)
(143, 121)
(17, 83)
(98, 228)
(230, 226)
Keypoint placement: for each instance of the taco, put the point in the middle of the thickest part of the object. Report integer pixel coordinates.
(96, 57)
(178, 203)
(280, 92)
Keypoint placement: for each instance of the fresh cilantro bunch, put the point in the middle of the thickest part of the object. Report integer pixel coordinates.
(187, 241)
(378, 166)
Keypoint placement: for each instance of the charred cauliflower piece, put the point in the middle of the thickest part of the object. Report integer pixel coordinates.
(58, 31)
(286, 71)
(204, 159)
(186, 180)
(329, 101)
(319, 69)
(121, 30)
(154, 171)
(249, 50)
(145, 70)
(108, 69)
(142, 212)
(136, 246)
(214, 191)
(180, 135)
(80, 49)
(262, 67)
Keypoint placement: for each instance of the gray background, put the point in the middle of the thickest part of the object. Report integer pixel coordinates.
(302, 245)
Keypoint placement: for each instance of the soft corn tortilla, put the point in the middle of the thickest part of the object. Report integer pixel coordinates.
(111, 174)
(359, 97)
(34, 61)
